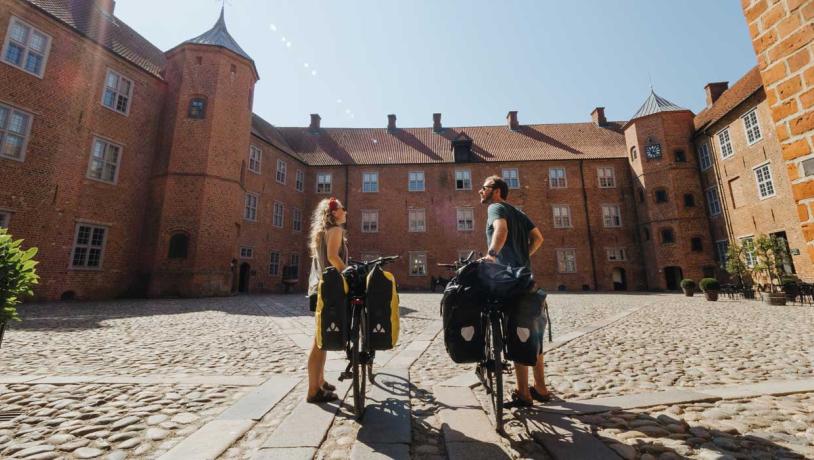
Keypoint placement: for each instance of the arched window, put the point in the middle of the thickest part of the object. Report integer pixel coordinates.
(689, 200)
(178, 246)
(680, 157)
(661, 195)
(667, 236)
(633, 153)
(197, 108)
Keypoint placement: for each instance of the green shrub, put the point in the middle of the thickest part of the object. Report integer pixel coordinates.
(687, 283)
(17, 275)
(710, 284)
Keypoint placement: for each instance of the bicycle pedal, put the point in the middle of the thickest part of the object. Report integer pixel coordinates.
(345, 375)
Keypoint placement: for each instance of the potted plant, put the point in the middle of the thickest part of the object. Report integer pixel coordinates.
(770, 253)
(17, 276)
(791, 288)
(710, 286)
(688, 286)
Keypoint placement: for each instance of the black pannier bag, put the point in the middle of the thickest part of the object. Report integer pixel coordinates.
(382, 309)
(504, 282)
(332, 311)
(464, 336)
(524, 339)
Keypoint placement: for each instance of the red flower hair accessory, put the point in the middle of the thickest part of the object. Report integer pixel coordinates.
(332, 204)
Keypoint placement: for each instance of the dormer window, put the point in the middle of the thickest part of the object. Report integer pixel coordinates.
(462, 149)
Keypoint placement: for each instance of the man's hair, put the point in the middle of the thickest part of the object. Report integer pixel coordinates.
(501, 185)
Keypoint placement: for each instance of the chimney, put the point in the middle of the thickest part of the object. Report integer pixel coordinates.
(106, 6)
(436, 123)
(714, 91)
(598, 116)
(512, 119)
(314, 127)
(391, 122)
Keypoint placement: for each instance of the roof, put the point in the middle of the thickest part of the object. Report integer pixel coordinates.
(218, 35)
(266, 131)
(376, 146)
(108, 31)
(729, 99)
(655, 104)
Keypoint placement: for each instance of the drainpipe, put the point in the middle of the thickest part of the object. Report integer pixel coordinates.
(588, 222)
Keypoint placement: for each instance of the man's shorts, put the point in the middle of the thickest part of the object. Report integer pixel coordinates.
(542, 320)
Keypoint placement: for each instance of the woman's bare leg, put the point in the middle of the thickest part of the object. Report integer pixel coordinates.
(316, 364)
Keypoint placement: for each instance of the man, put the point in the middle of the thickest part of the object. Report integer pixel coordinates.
(512, 238)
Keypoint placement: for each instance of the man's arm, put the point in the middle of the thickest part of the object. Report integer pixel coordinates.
(536, 240)
(498, 237)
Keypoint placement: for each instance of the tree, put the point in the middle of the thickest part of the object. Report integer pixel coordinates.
(770, 252)
(736, 262)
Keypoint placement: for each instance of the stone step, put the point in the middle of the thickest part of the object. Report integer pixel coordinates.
(566, 438)
(387, 415)
(468, 432)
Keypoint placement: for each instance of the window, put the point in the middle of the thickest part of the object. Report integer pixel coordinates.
(26, 47)
(118, 91)
(281, 171)
(661, 195)
(696, 244)
(370, 221)
(323, 182)
(246, 252)
(634, 153)
(299, 182)
(748, 244)
(418, 263)
(5, 218)
(751, 126)
(616, 254)
(641, 196)
(725, 143)
(511, 177)
(370, 182)
(179, 244)
(562, 216)
(713, 201)
(556, 178)
(250, 212)
(88, 246)
(274, 263)
(466, 219)
(567, 260)
(104, 161)
(607, 178)
(463, 179)
(680, 156)
(703, 157)
(645, 234)
(197, 108)
(415, 181)
(277, 215)
(667, 236)
(294, 265)
(255, 158)
(721, 248)
(417, 220)
(689, 200)
(296, 219)
(14, 129)
(611, 215)
(763, 176)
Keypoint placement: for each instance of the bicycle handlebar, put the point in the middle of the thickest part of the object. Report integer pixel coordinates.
(379, 260)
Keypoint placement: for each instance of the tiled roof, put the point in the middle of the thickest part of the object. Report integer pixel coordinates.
(87, 19)
(730, 99)
(266, 131)
(218, 35)
(655, 104)
(337, 146)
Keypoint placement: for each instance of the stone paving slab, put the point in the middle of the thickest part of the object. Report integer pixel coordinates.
(227, 380)
(475, 451)
(462, 416)
(380, 451)
(286, 453)
(567, 438)
(632, 401)
(387, 417)
(775, 388)
(19, 378)
(65, 379)
(256, 404)
(468, 379)
(209, 441)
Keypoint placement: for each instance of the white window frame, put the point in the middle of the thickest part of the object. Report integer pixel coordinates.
(751, 257)
(561, 219)
(370, 221)
(5, 219)
(274, 263)
(751, 127)
(466, 179)
(250, 207)
(27, 50)
(88, 246)
(106, 144)
(282, 171)
(296, 219)
(117, 93)
(611, 212)
(416, 257)
(4, 131)
(299, 181)
(461, 217)
(554, 180)
(564, 257)
(727, 151)
(704, 158)
(608, 173)
(246, 252)
(370, 182)
(255, 159)
(278, 215)
(511, 176)
(764, 183)
(413, 178)
(713, 205)
(413, 222)
(616, 254)
(324, 179)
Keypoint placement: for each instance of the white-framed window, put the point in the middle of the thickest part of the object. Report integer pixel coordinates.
(370, 221)
(417, 220)
(5, 218)
(88, 247)
(418, 263)
(246, 252)
(324, 182)
(463, 179)
(26, 47)
(557, 178)
(725, 143)
(512, 177)
(763, 177)
(296, 219)
(255, 157)
(104, 161)
(15, 126)
(704, 160)
(721, 247)
(299, 182)
(616, 254)
(751, 126)
(562, 215)
(274, 263)
(281, 171)
(370, 182)
(250, 211)
(607, 177)
(611, 215)
(415, 181)
(465, 218)
(566, 260)
(748, 245)
(713, 201)
(277, 217)
(117, 93)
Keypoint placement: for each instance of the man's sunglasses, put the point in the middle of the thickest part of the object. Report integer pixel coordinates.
(484, 187)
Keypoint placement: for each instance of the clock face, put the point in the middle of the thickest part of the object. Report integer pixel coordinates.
(654, 151)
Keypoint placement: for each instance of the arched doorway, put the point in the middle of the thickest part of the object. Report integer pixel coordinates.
(619, 279)
(243, 280)
(673, 276)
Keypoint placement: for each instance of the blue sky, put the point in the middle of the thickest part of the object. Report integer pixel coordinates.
(355, 61)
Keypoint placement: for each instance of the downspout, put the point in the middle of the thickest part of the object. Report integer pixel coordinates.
(588, 222)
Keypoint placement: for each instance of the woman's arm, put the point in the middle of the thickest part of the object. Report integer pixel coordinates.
(334, 237)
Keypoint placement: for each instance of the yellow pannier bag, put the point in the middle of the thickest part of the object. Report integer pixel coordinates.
(332, 311)
(383, 309)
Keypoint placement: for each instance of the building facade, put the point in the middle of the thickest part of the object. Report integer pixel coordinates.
(142, 172)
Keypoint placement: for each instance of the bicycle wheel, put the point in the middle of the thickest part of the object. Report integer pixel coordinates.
(358, 367)
(497, 387)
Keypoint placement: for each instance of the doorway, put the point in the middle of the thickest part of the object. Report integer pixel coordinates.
(673, 276)
(619, 279)
(788, 263)
(243, 280)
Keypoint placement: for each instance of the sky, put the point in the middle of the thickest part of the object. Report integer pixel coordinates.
(356, 61)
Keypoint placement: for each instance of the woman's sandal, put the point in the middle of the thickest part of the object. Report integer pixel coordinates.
(328, 387)
(537, 396)
(517, 401)
(321, 397)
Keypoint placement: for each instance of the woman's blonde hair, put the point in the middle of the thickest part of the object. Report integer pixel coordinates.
(321, 220)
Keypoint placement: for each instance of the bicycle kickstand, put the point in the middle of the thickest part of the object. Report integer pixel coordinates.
(347, 374)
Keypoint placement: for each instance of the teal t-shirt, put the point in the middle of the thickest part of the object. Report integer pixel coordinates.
(515, 252)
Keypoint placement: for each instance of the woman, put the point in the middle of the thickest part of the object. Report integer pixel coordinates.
(328, 246)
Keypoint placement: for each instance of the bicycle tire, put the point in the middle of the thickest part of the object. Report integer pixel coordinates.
(497, 389)
(358, 368)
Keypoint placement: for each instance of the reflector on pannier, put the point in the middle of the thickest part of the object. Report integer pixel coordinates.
(332, 310)
(463, 325)
(524, 336)
(382, 309)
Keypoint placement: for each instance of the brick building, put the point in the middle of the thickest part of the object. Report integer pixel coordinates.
(137, 171)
